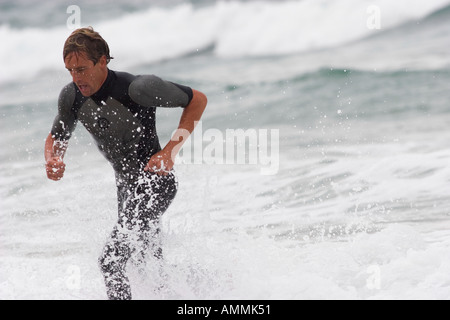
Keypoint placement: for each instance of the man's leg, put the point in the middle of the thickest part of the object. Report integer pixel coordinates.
(113, 261)
(141, 204)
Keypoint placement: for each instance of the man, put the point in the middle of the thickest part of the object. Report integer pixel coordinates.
(118, 109)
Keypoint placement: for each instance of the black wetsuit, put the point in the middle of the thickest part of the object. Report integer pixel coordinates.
(121, 118)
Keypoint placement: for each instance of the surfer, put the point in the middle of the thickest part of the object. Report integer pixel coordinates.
(118, 110)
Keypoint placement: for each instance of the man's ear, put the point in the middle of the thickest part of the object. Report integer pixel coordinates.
(103, 61)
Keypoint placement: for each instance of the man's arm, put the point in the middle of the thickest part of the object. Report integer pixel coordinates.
(63, 126)
(54, 152)
(163, 161)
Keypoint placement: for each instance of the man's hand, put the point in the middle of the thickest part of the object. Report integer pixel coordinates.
(160, 163)
(55, 168)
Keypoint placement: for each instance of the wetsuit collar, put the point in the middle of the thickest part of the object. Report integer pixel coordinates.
(105, 90)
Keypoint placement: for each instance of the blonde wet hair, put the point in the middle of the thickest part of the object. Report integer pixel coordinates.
(88, 41)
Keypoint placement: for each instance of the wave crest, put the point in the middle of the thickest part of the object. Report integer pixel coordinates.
(227, 29)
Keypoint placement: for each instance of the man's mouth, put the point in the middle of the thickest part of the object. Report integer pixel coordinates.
(83, 87)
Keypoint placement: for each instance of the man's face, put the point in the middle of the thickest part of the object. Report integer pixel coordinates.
(87, 76)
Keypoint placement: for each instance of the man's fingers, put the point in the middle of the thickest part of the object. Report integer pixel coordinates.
(153, 168)
(54, 176)
(55, 163)
(156, 170)
(55, 170)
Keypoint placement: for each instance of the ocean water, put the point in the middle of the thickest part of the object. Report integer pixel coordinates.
(343, 189)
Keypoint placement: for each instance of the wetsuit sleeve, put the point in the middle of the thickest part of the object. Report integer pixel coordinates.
(151, 91)
(65, 121)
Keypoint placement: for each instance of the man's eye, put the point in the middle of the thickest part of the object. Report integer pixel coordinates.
(78, 70)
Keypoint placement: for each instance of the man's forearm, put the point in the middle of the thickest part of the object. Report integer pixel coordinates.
(54, 148)
(54, 154)
(193, 112)
(190, 117)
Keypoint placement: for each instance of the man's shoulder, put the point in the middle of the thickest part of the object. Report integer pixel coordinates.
(143, 85)
(139, 80)
(145, 82)
(124, 77)
(122, 82)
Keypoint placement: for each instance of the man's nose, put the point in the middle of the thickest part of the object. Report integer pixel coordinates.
(76, 77)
